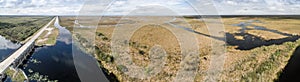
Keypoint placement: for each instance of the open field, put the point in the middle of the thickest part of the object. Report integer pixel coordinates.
(258, 48)
(290, 26)
(18, 29)
(266, 35)
(68, 22)
(48, 37)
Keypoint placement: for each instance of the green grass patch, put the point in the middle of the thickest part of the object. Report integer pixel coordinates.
(18, 29)
(16, 76)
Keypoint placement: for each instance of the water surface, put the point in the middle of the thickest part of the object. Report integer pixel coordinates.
(56, 61)
(291, 72)
(7, 48)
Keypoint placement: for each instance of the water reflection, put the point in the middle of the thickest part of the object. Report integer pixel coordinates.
(249, 41)
(7, 44)
(56, 61)
(7, 48)
(252, 41)
(64, 34)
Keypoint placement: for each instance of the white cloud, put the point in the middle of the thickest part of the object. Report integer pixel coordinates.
(39, 7)
(149, 6)
(121, 7)
(258, 7)
(119, 3)
(231, 2)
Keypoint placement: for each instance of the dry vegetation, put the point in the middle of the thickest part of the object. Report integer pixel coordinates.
(259, 64)
(266, 35)
(68, 22)
(228, 24)
(48, 37)
(290, 26)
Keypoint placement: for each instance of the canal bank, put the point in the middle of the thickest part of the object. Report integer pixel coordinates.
(15, 59)
(56, 62)
(53, 63)
(291, 71)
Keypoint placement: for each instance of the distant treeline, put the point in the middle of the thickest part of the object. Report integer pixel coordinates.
(231, 16)
(18, 32)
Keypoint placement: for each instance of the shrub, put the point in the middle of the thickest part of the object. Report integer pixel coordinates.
(99, 34)
(103, 56)
(122, 68)
(104, 38)
(141, 52)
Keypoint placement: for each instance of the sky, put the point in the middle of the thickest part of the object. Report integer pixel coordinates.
(123, 7)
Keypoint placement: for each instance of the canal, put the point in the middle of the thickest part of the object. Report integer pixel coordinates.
(7, 47)
(291, 71)
(57, 63)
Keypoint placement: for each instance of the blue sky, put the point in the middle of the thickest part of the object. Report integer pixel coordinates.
(123, 7)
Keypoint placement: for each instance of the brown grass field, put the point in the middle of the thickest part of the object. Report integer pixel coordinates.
(263, 63)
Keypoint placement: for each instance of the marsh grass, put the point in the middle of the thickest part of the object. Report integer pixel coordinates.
(260, 64)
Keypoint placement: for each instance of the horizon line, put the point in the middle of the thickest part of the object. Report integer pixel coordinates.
(166, 15)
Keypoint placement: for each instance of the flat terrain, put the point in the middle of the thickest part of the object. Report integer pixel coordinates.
(19, 29)
(258, 48)
(48, 37)
(17, 54)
